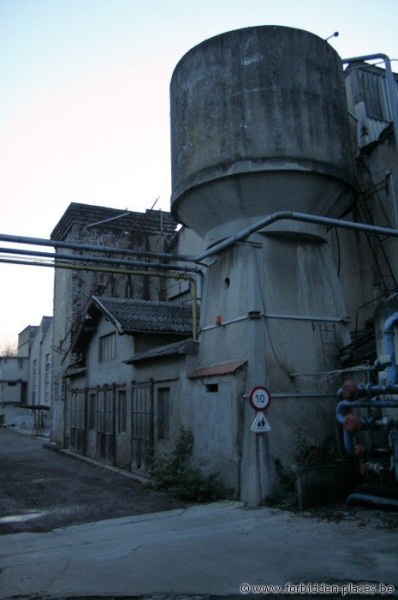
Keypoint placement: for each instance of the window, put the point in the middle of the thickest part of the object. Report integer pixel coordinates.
(122, 411)
(107, 347)
(212, 388)
(163, 413)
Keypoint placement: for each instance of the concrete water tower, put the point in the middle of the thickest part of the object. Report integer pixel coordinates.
(259, 124)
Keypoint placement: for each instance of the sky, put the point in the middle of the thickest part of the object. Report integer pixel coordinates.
(84, 105)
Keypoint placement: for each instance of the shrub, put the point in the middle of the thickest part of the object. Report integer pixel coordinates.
(172, 474)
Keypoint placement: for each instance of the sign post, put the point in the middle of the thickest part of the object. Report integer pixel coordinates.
(260, 399)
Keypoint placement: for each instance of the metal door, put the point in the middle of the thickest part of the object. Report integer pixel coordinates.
(142, 427)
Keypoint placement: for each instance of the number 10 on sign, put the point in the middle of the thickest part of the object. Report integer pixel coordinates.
(259, 398)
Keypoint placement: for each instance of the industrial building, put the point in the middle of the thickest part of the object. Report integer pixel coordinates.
(285, 181)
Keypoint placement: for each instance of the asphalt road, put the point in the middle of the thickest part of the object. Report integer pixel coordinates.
(41, 490)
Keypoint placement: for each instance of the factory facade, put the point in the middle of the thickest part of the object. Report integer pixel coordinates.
(260, 289)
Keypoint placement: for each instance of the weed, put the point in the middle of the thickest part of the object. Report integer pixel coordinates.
(172, 474)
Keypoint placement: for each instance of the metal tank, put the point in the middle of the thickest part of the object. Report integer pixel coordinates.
(259, 124)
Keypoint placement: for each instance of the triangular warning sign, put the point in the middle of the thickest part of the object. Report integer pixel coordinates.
(260, 424)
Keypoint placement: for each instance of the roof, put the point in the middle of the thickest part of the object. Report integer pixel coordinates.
(227, 368)
(151, 222)
(134, 316)
(176, 349)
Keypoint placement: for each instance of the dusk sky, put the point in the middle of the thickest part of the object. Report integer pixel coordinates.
(85, 105)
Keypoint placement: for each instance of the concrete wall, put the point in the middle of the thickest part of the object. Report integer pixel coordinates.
(40, 367)
(14, 372)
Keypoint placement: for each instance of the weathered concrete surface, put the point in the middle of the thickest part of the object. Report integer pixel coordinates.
(209, 549)
(42, 490)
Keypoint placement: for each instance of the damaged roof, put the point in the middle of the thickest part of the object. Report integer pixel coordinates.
(177, 348)
(227, 368)
(134, 316)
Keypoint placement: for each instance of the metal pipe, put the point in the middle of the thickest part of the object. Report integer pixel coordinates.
(345, 406)
(293, 216)
(125, 214)
(99, 269)
(18, 239)
(306, 318)
(374, 500)
(368, 390)
(89, 258)
(220, 246)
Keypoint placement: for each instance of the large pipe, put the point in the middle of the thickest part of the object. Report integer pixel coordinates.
(389, 334)
(293, 216)
(99, 269)
(220, 246)
(344, 406)
(373, 500)
(83, 258)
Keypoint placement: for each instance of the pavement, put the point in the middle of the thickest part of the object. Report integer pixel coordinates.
(217, 550)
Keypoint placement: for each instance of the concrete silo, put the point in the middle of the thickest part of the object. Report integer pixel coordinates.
(259, 124)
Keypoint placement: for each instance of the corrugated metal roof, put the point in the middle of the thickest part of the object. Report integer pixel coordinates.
(368, 91)
(227, 368)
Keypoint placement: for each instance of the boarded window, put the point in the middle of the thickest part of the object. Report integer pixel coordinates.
(107, 347)
(163, 402)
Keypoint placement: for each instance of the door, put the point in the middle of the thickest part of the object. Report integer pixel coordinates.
(78, 421)
(105, 424)
(142, 427)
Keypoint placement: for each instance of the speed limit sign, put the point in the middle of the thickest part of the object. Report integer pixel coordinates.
(259, 398)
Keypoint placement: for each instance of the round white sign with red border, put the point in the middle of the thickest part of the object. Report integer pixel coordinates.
(259, 398)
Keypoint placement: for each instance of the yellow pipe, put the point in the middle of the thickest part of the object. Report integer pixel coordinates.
(170, 275)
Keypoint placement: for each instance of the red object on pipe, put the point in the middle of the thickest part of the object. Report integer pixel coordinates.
(352, 422)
